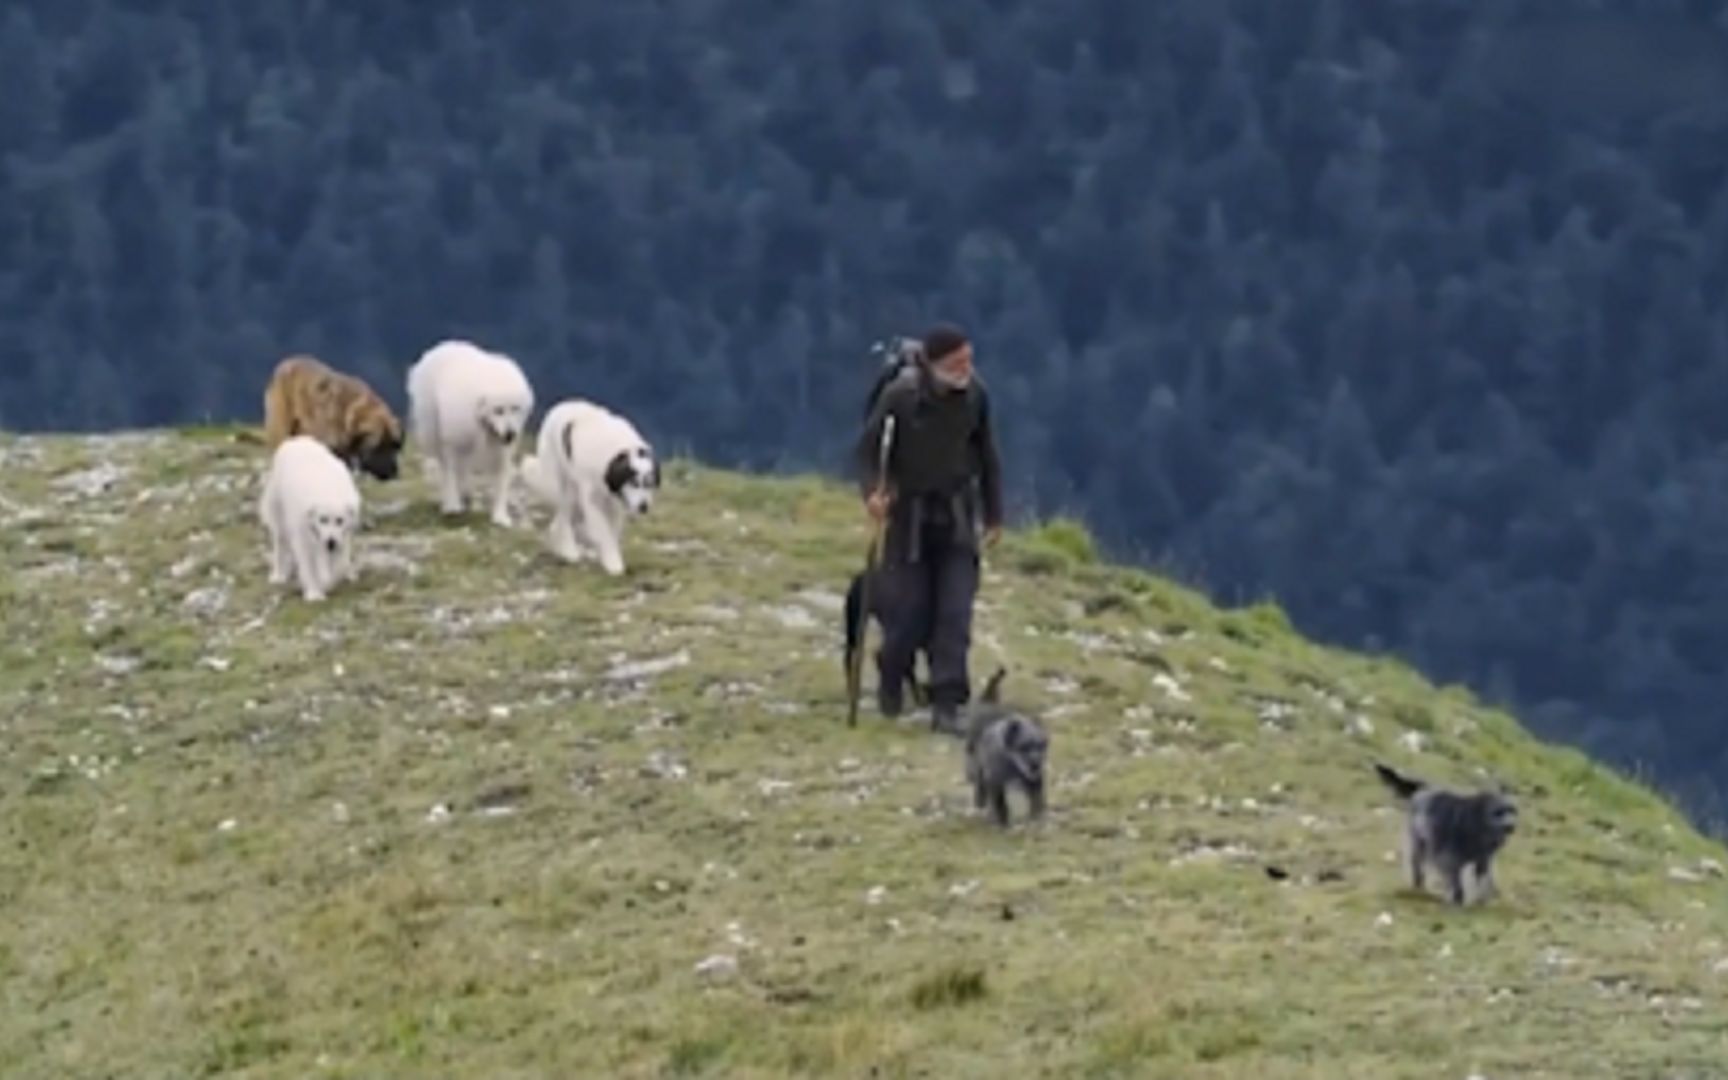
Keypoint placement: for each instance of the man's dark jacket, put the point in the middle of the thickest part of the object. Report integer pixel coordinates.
(943, 463)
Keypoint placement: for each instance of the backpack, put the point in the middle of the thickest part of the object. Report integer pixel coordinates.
(897, 353)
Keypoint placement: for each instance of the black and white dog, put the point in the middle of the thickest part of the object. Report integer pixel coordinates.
(596, 471)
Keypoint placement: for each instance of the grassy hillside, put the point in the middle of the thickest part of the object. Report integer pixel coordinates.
(488, 815)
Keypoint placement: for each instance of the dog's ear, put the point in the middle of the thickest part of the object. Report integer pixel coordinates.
(618, 472)
(355, 408)
(355, 447)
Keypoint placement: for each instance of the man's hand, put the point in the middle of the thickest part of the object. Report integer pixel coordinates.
(992, 533)
(877, 504)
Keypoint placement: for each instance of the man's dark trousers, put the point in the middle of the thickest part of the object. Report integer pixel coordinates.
(927, 581)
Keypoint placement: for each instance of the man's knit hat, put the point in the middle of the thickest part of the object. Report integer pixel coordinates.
(943, 340)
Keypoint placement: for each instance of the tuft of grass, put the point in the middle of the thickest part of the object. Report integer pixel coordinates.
(1269, 616)
(949, 988)
(486, 814)
(1059, 545)
(250, 434)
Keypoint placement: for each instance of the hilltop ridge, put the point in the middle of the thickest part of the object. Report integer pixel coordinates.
(486, 814)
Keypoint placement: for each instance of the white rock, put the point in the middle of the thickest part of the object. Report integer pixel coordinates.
(88, 483)
(718, 966)
(823, 600)
(118, 665)
(794, 618)
(1170, 686)
(1274, 712)
(642, 669)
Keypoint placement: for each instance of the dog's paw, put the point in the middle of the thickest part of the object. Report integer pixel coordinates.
(613, 566)
(503, 520)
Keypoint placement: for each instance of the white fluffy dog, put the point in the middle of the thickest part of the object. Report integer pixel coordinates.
(311, 510)
(594, 469)
(468, 407)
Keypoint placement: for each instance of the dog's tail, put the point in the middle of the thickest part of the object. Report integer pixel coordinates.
(854, 601)
(1402, 786)
(535, 478)
(993, 688)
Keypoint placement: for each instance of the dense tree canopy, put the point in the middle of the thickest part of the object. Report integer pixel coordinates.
(1409, 314)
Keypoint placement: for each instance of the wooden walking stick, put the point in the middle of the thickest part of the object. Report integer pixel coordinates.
(872, 559)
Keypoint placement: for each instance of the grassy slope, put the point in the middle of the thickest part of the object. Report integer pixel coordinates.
(216, 852)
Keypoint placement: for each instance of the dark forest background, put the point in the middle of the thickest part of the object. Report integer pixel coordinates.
(1408, 313)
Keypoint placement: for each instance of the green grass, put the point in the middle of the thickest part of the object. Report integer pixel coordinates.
(219, 853)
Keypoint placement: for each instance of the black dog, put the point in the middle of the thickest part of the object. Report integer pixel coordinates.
(855, 629)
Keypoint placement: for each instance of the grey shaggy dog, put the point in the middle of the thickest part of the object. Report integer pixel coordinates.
(1004, 748)
(1450, 830)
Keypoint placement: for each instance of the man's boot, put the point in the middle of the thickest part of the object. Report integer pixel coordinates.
(945, 717)
(887, 702)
